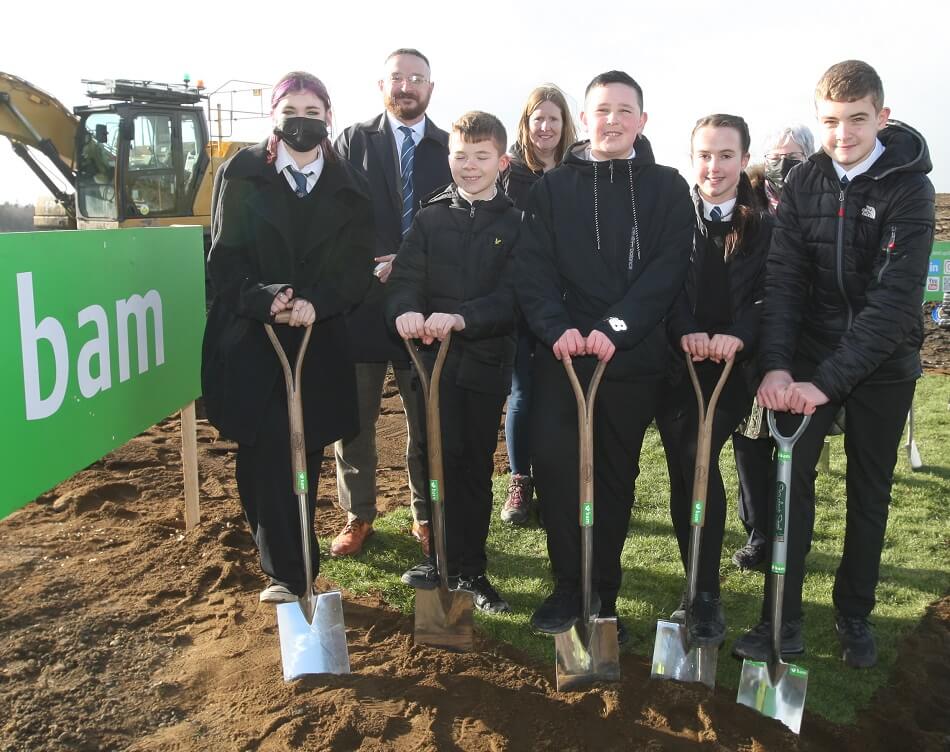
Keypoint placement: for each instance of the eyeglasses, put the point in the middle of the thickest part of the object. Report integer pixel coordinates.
(413, 79)
(773, 160)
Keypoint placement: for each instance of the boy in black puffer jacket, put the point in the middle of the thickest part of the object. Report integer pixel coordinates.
(454, 273)
(611, 237)
(842, 326)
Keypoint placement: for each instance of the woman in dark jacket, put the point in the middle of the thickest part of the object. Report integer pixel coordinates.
(291, 230)
(545, 131)
(714, 319)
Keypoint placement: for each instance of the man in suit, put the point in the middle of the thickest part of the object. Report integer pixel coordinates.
(405, 158)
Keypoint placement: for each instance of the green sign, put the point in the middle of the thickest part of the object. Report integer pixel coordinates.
(434, 491)
(101, 338)
(587, 514)
(938, 275)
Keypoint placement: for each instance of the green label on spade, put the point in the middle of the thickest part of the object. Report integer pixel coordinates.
(587, 514)
(301, 482)
(697, 512)
(434, 490)
(780, 494)
(778, 568)
(798, 671)
(784, 456)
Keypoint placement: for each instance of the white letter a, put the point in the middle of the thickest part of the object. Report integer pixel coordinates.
(51, 330)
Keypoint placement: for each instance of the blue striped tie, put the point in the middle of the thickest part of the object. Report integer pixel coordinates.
(716, 214)
(405, 162)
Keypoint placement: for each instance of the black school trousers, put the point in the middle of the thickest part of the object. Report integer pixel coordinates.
(678, 422)
(470, 421)
(265, 485)
(622, 413)
(754, 469)
(874, 423)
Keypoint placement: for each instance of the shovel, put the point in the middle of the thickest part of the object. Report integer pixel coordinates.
(443, 617)
(312, 633)
(673, 655)
(913, 453)
(588, 651)
(775, 688)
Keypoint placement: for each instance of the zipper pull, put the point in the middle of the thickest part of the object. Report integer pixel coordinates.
(611, 171)
(471, 214)
(841, 203)
(893, 241)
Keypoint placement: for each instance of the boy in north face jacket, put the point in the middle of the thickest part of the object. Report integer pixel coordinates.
(842, 326)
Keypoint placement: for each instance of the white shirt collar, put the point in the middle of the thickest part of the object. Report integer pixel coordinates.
(864, 166)
(312, 170)
(725, 207)
(418, 130)
(589, 155)
(468, 196)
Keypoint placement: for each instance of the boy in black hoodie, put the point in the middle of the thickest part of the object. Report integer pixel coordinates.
(842, 326)
(612, 233)
(454, 273)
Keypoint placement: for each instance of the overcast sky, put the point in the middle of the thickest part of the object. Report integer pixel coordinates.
(756, 59)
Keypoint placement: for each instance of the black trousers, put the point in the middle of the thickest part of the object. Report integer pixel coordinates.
(622, 414)
(874, 423)
(265, 484)
(678, 422)
(470, 422)
(754, 468)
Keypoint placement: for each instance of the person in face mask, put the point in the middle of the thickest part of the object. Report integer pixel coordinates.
(785, 148)
(292, 230)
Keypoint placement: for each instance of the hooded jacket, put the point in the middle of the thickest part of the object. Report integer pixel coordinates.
(458, 258)
(518, 179)
(847, 267)
(610, 251)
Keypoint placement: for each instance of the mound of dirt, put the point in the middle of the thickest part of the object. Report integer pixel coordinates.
(123, 632)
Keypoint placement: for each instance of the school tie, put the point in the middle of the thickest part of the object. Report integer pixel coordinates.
(300, 178)
(405, 160)
(716, 214)
(845, 181)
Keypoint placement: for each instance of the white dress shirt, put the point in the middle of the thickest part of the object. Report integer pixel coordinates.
(312, 170)
(725, 207)
(864, 166)
(418, 131)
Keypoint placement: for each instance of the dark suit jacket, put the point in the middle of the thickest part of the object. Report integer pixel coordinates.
(253, 256)
(370, 147)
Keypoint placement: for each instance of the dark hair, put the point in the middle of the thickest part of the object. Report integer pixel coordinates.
(478, 126)
(291, 83)
(615, 77)
(545, 93)
(408, 51)
(850, 81)
(746, 211)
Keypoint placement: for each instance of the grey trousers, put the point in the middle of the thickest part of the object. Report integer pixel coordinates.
(356, 459)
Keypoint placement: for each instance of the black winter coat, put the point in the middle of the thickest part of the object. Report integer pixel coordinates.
(459, 258)
(369, 146)
(518, 179)
(847, 268)
(253, 256)
(594, 264)
(745, 268)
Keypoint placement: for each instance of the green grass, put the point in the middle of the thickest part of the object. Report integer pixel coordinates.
(915, 567)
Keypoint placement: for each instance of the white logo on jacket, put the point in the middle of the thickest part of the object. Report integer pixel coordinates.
(618, 325)
(868, 211)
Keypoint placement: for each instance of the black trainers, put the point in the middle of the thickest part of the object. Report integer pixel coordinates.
(422, 576)
(560, 611)
(756, 644)
(679, 615)
(707, 622)
(486, 597)
(750, 556)
(858, 649)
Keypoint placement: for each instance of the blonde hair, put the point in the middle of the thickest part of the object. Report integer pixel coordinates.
(544, 93)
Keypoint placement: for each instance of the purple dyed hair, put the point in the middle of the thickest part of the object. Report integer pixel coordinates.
(291, 83)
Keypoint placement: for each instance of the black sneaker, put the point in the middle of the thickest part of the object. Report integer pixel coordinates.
(756, 644)
(679, 615)
(560, 611)
(486, 597)
(857, 641)
(750, 556)
(707, 622)
(422, 576)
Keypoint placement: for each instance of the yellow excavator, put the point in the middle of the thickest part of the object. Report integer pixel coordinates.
(140, 156)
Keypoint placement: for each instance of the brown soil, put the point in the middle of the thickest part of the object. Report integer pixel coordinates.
(123, 632)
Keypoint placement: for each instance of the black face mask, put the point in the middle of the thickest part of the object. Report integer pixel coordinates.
(776, 172)
(301, 133)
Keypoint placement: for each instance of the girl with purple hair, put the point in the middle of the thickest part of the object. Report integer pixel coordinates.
(292, 229)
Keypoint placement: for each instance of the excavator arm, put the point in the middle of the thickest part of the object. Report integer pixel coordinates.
(30, 117)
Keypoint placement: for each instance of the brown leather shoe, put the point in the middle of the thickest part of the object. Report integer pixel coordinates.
(351, 538)
(420, 531)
